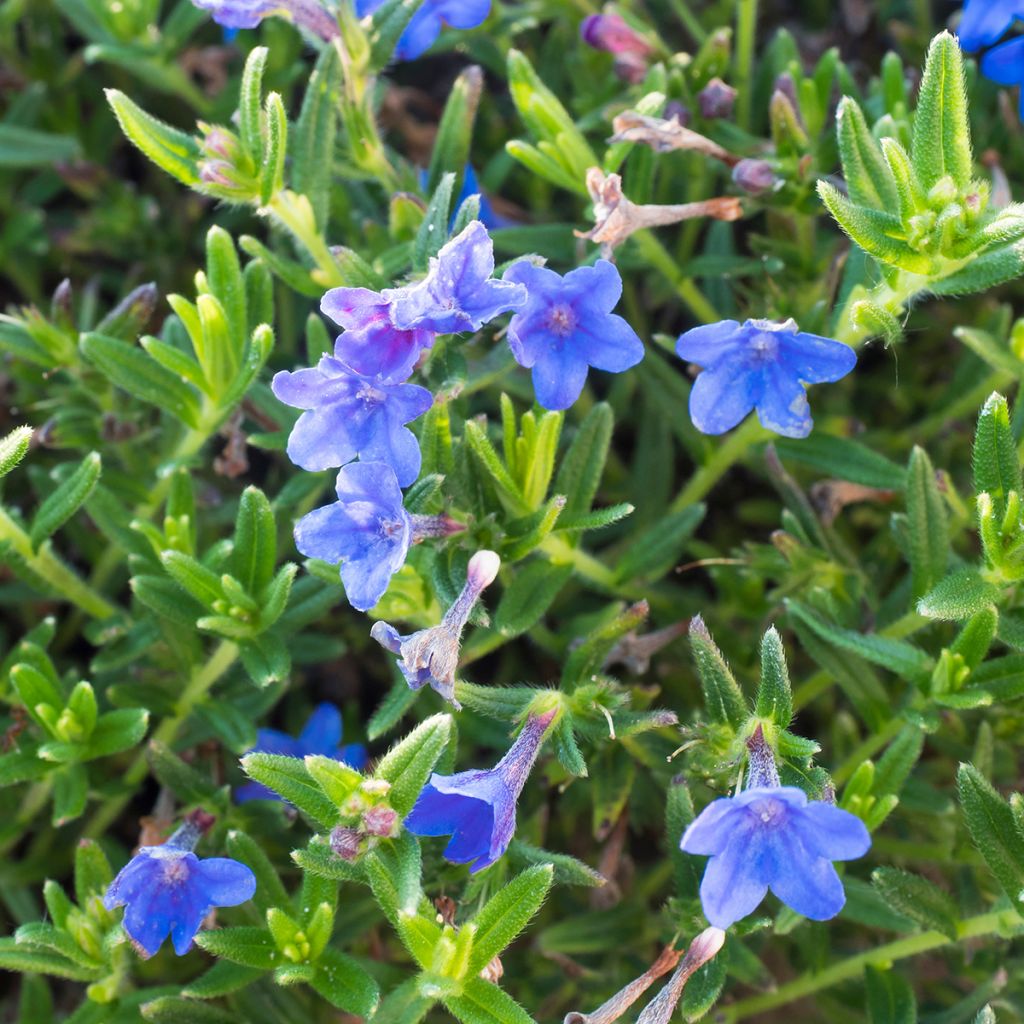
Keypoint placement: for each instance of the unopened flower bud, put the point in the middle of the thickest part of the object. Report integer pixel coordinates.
(716, 99)
(610, 32)
(754, 176)
(345, 842)
(381, 821)
(483, 569)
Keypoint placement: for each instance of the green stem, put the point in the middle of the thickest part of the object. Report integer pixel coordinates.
(690, 21)
(45, 564)
(285, 206)
(883, 956)
(870, 746)
(202, 678)
(32, 803)
(720, 462)
(661, 259)
(746, 35)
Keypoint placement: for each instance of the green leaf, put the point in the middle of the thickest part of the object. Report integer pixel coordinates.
(898, 656)
(255, 542)
(70, 792)
(484, 1003)
(315, 132)
(918, 898)
(890, 999)
(171, 150)
(841, 458)
(996, 466)
(26, 147)
(868, 178)
(223, 978)
(455, 130)
(928, 530)
(116, 731)
(567, 870)
(250, 947)
(21, 960)
(434, 229)
(135, 372)
(288, 777)
(13, 448)
(191, 575)
(93, 873)
(408, 764)
(993, 829)
(704, 988)
(270, 891)
(345, 984)
(393, 869)
(507, 913)
(250, 103)
(39, 935)
(527, 599)
(723, 698)
(959, 596)
(337, 779)
(774, 696)
(658, 551)
(941, 143)
(275, 149)
(66, 500)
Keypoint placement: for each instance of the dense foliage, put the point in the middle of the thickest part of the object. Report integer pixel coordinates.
(560, 461)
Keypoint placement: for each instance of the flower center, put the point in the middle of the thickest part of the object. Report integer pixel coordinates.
(771, 812)
(763, 347)
(175, 870)
(370, 395)
(389, 527)
(562, 320)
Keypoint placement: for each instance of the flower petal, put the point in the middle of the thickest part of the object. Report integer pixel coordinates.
(803, 881)
(316, 442)
(832, 832)
(706, 344)
(322, 732)
(722, 395)
(1005, 63)
(711, 830)
(730, 889)
(558, 378)
(609, 344)
(783, 404)
(815, 360)
(222, 882)
(984, 21)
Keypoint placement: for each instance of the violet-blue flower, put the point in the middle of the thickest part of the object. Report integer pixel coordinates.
(1004, 64)
(478, 808)
(426, 23)
(320, 735)
(458, 294)
(351, 415)
(236, 14)
(759, 365)
(371, 344)
(431, 656)
(567, 326)
(771, 837)
(168, 890)
(984, 21)
(471, 187)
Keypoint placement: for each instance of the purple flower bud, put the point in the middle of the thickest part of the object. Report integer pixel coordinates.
(478, 808)
(236, 14)
(716, 99)
(754, 176)
(381, 821)
(431, 656)
(611, 33)
(215, 172)
(675, 110)
(346, 843)
(168, 890)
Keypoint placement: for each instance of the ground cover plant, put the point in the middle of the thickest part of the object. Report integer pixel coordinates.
(511, 511)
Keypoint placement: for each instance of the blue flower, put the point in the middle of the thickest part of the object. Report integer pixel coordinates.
(478, 808)
(426, 23)
(367, 530)
(371, 344)
(1004, 64)
(236, 14)
(566, 326)
(168, 890)
(471, 187)
(349, 415)
(984, 21)
(431, 656)
(320, 735)
(458, 293)
(771, 837)
(762, 365)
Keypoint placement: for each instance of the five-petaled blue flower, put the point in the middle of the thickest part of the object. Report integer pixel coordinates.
(458, 294)
(168, 890)
(320, 735)
(426, 23)
(566, 326)
(984, 21)
(371, 344)
(349, 415)
(367, 530)
(1004, 64)
(771, 837)
(478, 808)
(759, 365)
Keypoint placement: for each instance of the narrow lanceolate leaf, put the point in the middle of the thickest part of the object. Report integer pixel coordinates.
(66, 500)
(994, 831)
(928, 531)
(434, 228)
(529, 596)
(484, 1003)
(454, 133)
(659, 550)
(408, 764)
(288, 777)
(345, 984)
(996, 467)
(877, 233)
(507, 913)
(315, 132)
(13, 448)
(774, 697)
(251, 947)
(921, 900)
(171, 150)
(250, 102)
(868, 178)
(941, 141)
(255, 541)
(723, 698)
(890, 999)
(959, 596)
(275, 148)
